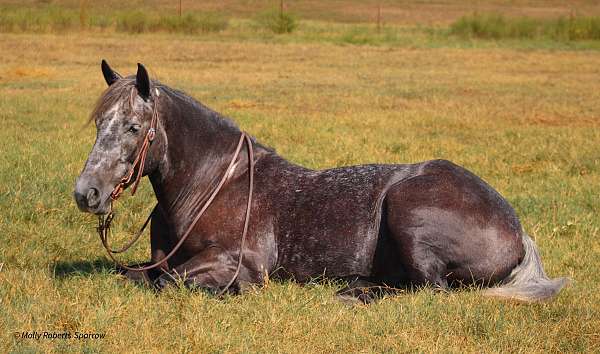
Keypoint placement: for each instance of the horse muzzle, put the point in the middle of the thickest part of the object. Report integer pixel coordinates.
(90, 198)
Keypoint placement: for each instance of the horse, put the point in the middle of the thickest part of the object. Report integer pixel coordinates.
(375, 226)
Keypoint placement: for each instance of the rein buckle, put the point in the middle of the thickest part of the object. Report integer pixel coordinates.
(151, 134)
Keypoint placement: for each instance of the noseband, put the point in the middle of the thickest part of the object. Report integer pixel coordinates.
(104, 222)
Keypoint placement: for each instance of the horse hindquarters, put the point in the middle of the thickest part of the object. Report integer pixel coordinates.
(451, 228)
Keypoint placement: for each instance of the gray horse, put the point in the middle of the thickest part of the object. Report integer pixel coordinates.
(377, 226)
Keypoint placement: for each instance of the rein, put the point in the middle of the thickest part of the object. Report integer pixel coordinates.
(104, 222)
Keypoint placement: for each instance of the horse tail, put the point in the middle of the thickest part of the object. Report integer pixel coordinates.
(528, 282)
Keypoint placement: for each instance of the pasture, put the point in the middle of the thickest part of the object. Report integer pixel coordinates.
(523, 114)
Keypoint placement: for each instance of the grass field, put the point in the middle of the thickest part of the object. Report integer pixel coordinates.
(524, 115)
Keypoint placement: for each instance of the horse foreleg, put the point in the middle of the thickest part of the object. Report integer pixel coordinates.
(159, 247)
(211, 270)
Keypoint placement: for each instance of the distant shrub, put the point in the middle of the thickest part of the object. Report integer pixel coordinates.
(359, 36)
(497, 26)
(54, 18)
(494, 26)
(191, 23)
(51, 18)
(277, 21)
(100, 21)
(133, 22)
(212, 22)
(575, 28)
(10, 20)
(61, 19)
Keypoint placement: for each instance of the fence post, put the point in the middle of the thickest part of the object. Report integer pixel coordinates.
(82, 13)
(378, 17)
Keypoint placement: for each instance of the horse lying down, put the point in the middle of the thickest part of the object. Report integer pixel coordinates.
(377, 226)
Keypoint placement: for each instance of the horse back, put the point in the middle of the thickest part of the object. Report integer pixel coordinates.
(326, 222)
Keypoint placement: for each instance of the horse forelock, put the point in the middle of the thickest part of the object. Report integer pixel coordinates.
(121, 92)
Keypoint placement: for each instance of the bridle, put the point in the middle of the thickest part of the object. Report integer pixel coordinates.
(104, 222)
(139, 160)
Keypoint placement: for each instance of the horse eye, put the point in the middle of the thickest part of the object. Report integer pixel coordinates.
(134, 128)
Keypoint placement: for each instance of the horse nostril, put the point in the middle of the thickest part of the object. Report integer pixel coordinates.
(93, 198)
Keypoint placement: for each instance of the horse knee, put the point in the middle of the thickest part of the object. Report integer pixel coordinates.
(195, 283)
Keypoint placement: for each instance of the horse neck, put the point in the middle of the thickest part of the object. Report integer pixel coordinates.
(199, 146)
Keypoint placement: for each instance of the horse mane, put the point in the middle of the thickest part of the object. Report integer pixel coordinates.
(125, 89)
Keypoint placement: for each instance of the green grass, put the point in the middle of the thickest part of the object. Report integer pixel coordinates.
(52, 18)
(189, 23)
(523, 120)
(497, 26)
(133, 22)
(276, 21)
(481, 30)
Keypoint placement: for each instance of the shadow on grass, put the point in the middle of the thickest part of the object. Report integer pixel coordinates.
(348, 294)
(83, 268)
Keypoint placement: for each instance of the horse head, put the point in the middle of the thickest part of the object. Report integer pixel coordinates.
(125, 119)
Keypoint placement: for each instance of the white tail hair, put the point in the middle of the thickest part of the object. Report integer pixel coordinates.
(528, 281)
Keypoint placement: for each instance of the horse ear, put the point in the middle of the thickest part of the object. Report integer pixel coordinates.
(142, 82)
(109, 74)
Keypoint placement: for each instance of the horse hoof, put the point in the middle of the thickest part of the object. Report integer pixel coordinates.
(350, 300)
(161, 282)
(136, 277)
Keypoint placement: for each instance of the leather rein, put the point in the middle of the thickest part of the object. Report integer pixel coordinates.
(104, 222)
